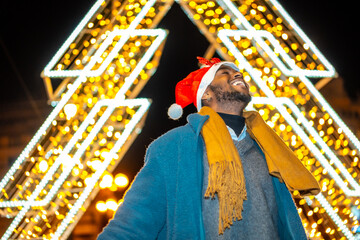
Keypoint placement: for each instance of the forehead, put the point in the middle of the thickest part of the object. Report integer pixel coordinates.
(227, 67)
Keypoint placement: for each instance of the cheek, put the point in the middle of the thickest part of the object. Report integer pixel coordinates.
(223, 83)
(220, 80)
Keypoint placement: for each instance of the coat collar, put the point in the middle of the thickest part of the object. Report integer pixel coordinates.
(196, 121)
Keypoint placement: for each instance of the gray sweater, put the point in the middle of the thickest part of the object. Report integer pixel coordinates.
(260, 215)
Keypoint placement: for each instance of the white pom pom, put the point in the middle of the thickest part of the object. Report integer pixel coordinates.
(175, 111)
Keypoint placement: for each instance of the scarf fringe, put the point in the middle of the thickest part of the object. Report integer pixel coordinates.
(226, 174)
(227, 179)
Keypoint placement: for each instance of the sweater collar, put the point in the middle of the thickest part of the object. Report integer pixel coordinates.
(196, 121)
(235, 122)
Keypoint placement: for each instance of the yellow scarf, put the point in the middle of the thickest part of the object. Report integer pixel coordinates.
(226, 174)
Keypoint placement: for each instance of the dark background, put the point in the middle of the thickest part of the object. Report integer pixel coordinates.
(32, 31)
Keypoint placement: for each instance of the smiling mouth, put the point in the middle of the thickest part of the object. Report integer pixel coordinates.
(238, 82)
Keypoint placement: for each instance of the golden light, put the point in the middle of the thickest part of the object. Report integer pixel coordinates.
(43, 166)
(111, 204)
(87, 180)
(106, 181)
(66, 160)
(121, 180)
(95, 164)
(70, 110)
(101, 206)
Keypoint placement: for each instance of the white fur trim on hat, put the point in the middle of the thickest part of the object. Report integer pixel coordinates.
(175, 111)
(208, 78)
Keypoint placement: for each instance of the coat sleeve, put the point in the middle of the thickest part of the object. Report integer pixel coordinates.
(143, 212)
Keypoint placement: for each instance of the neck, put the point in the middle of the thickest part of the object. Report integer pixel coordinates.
(231, 109)
(235, 122)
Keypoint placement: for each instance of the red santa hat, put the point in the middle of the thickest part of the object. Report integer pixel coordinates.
(191, 89)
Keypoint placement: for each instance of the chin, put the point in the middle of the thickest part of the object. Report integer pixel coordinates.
(244, 97)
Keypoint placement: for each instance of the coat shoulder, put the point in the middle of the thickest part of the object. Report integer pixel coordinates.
(174, 137)
(171, 148)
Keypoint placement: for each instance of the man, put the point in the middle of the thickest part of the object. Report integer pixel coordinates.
(224, 175)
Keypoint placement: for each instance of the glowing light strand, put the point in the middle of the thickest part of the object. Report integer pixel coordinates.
(82, 75)
(252, 32)
(92, 134)
(82, 78)
(59, 107)
(128, 82)
(74, 73)
(223, 35)
(72, 37)
(279, 104)
(242, 21)
(96, 176)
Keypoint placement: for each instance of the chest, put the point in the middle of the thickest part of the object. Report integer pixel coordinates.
(260, 208)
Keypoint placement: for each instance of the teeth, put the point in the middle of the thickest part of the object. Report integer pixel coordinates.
(235, 83)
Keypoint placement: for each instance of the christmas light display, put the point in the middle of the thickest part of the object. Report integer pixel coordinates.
(111, 55)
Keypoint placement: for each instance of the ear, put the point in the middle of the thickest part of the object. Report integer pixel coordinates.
(206, 94)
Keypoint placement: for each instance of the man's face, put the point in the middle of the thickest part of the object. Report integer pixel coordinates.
(229, 87)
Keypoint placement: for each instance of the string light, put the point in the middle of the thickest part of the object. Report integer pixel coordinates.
(66, 110)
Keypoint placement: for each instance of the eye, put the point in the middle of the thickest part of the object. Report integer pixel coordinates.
(238, 75)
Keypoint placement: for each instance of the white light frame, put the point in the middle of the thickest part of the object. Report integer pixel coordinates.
(279, 103)
(82, 25)
(259, 34)
(161, 35)
(223, 35)
(81, 75)
(112, 104)
(256, 76)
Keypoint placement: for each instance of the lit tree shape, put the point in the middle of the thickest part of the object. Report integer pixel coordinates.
(111, 55)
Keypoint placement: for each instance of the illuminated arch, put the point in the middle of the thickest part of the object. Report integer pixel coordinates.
(111, 55)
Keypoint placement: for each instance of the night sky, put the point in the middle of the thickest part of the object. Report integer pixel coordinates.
(32, 31)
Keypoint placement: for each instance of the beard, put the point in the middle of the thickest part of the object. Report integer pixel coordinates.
(229, 97)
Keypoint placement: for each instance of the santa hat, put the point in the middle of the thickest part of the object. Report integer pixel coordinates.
(191, 89)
